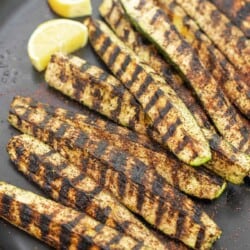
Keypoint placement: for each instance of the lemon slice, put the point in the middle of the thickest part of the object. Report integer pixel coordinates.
(71, 8)
(57, 35)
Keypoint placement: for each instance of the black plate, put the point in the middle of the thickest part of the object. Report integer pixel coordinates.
(17, 21)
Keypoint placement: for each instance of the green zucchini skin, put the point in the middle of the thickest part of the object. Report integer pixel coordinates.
(117, 171)
(226, 161)
(233, 84)
(226, 36)
(168, 115)
(153, 22)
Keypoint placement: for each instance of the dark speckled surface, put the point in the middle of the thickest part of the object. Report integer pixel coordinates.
(17, 21)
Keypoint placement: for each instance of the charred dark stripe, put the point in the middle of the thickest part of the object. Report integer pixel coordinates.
(242, 43)
(26, 215)
(158, 93)
(99, 228)
(122, 227)
(182, 144)
(114, 240)
(118, 159)
(143, 86)
(102, 214)
(160, 211)
(33, 166)
(108, 14)
(84, 67)
(79, 87)
(138, 246)
(64, 190)
(125, 63)
(171, 130)
(44, 224)
(5, 207)
(141, 4)
(83, 199)
(126, 33)
(118, 21)
(115, 113)
(227, 32)
(215, 17)
(136, 72)
(105, 45)
(81, 140)
(103, 76)
(163, 112)
(96, 33)
(157, 185)
(85, 243)
(200, 238)
(138, 171)
(180, 225)
(76, 180)
(140, 197)
(121, 183)
(245, 135)
(156, 15)
(112, 57)
(66, 230)
(61, 130)
(101, 148)
(242, 14)
(111, 127)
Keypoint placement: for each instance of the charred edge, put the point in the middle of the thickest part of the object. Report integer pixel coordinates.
(158, 93)
(163, 112)
(112, 57)
(245, 136)
(66, 231)
(44, 222)
(171, 130)
(242, 14)
(137, 71)
(143, 87)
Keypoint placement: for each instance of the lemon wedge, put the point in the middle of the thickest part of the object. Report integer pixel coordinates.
(57, 35)
(71, 8)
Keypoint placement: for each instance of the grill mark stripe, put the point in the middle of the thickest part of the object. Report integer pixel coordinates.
(44, 225)
(84, 67)
(171, 130)
(143, 87)
(65, 232)
(76, 180)
(182, 144)
(112, 57)
(141, 4)
(156, 15)
(125, 63)
(114, 240)
(96, 34)
(6, 203)
(105, 45)
(108, 14)
(81, 140)
(122, 183)
(137, 71)
(118, 21)
(200, 238)
(102, 214)
(163, 112)
(158, 93)
(26, 215)
(159, 212)
(140, 197)
(180, 224)
(101, 148)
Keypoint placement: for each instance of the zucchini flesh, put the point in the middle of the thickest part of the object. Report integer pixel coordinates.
(80, 149)
(153, 22)
(66, 184)
(58, 226)
(195, 182)
(226, 161)
(224, 73)
(168, 115)
(227, 37)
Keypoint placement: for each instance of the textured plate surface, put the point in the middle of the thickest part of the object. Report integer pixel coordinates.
(17, 77)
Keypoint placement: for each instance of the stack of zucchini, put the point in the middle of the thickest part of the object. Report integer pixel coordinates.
(179, 106)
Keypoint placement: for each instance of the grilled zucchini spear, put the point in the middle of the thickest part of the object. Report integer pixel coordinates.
(58, 226)
(224, 73)
(110, 168)
(229, 39)
(68, 185)
(154, 23)
(226, 160)
(237, 12)
(194, 182)
(168, 115)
